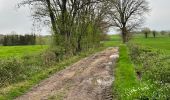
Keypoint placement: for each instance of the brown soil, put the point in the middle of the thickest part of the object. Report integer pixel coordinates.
(89, 79)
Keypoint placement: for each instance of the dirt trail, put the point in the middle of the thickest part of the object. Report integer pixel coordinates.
(88, 79)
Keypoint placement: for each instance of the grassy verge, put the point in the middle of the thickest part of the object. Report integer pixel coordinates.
(125, 78)
(125, 75)
(12, 91)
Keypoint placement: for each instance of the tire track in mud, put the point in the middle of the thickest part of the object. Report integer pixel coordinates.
(89, 79)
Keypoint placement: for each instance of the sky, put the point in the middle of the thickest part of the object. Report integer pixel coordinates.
(20, 21)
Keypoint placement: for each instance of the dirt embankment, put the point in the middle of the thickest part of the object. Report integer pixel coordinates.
(89, 79)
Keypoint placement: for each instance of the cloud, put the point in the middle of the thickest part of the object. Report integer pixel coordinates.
(19, 20)
(13, 19)
(159, 17)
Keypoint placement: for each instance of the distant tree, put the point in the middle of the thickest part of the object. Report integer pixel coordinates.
(40, 40)
(4, 41)
(12, 40)
(163, 32)
(146, 32)
(127, 15)
(22, 40)
(1, 39)
(154, 34)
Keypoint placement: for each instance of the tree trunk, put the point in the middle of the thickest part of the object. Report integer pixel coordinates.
(124, 35)
(124, 38)
(52, 16)
(78, 49)
(146, 35)
(154, 35)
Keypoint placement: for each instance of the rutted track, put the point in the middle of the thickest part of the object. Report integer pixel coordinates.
(89, 79)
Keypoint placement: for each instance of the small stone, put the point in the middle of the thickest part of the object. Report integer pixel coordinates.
(110, 63)
(107, 67)
(115, 56)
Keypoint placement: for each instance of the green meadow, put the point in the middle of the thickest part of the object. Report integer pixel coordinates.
(18, 51)
(162, 43)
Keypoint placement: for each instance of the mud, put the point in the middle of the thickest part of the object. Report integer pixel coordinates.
(88, 79)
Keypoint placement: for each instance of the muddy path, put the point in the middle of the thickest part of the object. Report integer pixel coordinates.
(88, 79)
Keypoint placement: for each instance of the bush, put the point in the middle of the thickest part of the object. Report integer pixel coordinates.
(155, 68)
(13, 70)
(10, 71)
(49, 57)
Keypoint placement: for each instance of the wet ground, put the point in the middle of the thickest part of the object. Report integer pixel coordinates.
(88, 79)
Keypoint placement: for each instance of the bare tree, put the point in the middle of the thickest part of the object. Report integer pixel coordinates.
(127, 15)
(146, 32)
(154, 33)
(163, 32)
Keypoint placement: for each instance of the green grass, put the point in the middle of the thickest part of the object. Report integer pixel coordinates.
(149, 55)
(157, 43)
(126, 84)
(115, 40)
(18, 51)
(125, 74)
(12, 91)
(125, 78)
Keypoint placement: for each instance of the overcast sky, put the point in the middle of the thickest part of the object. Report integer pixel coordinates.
(19, 20)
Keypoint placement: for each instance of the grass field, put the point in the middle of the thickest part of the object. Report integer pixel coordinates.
(162, 43)
(18, 51)
(115, 40)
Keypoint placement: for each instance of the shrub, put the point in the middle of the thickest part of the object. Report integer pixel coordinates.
(49, 57)
(10, 70)
(13, 70)
(155, 68)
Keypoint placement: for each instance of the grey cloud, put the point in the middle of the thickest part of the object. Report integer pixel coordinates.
(13, 19)
(20, 21)
(159, 17)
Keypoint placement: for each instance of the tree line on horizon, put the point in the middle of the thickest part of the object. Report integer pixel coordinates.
(14, 40)
(146, 31)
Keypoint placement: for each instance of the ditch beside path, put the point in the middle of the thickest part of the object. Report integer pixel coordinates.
(89, 79)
